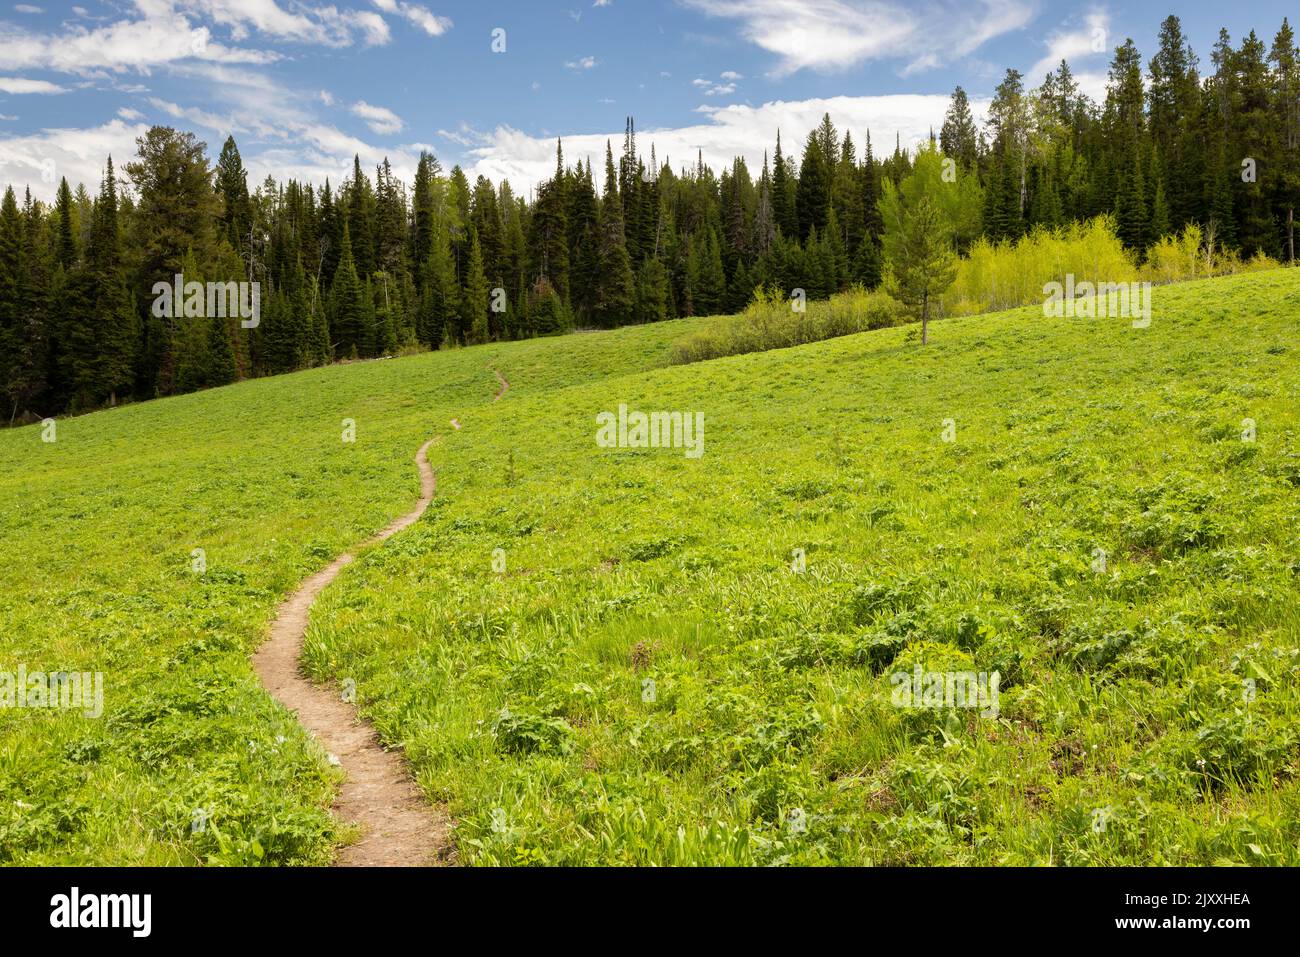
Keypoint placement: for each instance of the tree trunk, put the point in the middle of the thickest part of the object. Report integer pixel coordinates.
(925, 316)
(1290, 232)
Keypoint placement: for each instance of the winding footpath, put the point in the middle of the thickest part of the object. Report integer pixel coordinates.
(399, 827)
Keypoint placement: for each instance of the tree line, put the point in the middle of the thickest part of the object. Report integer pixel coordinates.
(376, 265)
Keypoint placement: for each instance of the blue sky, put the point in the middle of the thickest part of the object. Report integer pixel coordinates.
(305, 84)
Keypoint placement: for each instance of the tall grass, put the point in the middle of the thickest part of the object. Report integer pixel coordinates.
(771, 322)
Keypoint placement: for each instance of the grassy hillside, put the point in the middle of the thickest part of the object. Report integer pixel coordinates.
(648, 680)
(771, 738)
(96, 574)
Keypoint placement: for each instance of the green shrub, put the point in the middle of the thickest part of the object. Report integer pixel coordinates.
(771, 322)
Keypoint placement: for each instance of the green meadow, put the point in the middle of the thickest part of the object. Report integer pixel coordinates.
(597, 655)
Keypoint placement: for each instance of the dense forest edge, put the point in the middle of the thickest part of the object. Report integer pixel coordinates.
(1176, 174)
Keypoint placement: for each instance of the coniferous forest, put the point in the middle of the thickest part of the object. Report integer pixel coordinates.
(370, 265)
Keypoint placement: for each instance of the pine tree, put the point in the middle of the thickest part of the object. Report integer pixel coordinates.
(549, 241)
(1254, 131)
(583, 222)
(477, 293)
(319, 338)
(114, 343)
(712, 284)
(24, 306)
(63, 209)
(232, 186)
(348, 323)
(385, 309)
(652, 292)
(921, 261)
(12, 267)
(221, 369)
(783, 193)
(615, 298)
(1172, 109)
(1130, 205)
(1285, 57)
(1160, 224)
(959, 137)
(175, 218)
(361, 220)
(813, 194)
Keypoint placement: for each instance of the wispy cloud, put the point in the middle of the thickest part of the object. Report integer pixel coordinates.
(18, 84)
(380, 119)
(159, 32)
(420, 16)
(583, 63)
(828, 35)
(710, 88)
(1080, 46)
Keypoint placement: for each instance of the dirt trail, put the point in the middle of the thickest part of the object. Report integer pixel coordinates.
(399, 827)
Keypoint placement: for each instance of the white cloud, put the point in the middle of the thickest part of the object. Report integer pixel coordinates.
(731, 75)
(380, 119)
(76, 154)
(326, 97)
(18, 84)
(326, 25)
(127, 44)
(829, 35)
(279, 135)
(421, 16)
(222, 125)
(160, 32)
(730, 131)
(1088, 42)
(710, 88)
(130, 115)
(26, 8)
(585, 63)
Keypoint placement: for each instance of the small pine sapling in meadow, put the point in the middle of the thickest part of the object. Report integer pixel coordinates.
(920, 263)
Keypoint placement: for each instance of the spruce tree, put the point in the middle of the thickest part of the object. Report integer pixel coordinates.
(114, 342)
(1285, 57)
(232, 186)
(783, 193)
(813, 194)
(349, 313)
(958, 137)
(12, 267)
(477, 293)
(615, 298)
(361, 220)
